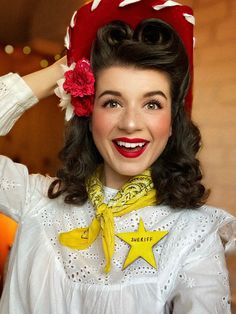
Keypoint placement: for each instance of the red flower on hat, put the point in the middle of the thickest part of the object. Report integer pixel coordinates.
(79, 83)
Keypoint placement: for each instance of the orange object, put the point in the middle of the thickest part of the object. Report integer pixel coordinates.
(7, 235)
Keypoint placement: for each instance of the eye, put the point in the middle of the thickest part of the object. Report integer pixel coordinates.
(153, 105)
(111, 103)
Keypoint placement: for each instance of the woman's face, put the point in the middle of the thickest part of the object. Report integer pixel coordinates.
(131, 121)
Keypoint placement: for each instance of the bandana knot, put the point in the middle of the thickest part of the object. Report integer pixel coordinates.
(137, 193)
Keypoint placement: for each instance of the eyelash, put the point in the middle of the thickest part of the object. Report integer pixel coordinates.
(154, 102)
(108, 102)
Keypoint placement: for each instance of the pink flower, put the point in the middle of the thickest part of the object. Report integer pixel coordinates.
(79, 83)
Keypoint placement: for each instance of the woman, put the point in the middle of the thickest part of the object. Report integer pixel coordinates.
(123, 228)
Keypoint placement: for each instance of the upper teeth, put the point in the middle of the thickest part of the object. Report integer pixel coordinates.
(130, 145)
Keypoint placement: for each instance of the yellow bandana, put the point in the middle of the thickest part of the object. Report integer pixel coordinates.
(138, 192)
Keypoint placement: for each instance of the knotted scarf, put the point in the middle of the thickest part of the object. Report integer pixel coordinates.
(137, 193)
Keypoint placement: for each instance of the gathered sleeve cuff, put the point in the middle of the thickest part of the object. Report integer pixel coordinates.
(15, 98)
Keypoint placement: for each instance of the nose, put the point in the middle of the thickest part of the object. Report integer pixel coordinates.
(130, 120)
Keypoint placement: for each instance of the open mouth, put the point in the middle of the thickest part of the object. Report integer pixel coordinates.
(130, 148)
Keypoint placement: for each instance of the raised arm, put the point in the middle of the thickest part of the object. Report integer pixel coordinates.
(43, 82)
(19, 94)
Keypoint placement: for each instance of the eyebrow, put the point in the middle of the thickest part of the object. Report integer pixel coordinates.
(109, 92)
(154, 93)
(149, 94)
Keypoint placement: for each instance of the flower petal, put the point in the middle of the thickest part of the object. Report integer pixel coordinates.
(190, 18)
(69, 112)
(126, 2)
(167, 4)
(65, 104)
(65, 99)
(66, 68)
(60, 92)
(95, 4)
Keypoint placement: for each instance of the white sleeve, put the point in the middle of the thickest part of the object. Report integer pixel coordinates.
(19, 191)
(15, 98)
(202, 284)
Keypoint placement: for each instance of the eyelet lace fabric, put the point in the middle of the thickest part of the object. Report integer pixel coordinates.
(189, 258)
(3, 89)
(87, 266)
(7, 185)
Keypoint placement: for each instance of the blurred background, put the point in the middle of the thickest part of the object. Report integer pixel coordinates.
(32, 37)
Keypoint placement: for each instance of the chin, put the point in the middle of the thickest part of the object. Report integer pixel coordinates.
(130, 171)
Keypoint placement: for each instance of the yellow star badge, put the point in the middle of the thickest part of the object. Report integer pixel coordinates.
(141, 243)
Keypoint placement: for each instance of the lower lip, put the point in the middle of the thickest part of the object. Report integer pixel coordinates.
(130, 154)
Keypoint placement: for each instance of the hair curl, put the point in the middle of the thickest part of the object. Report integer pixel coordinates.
(176, 174)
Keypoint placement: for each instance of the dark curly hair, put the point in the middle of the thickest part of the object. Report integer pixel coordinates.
(176, 174)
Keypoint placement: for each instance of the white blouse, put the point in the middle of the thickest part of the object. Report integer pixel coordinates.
(45, 277)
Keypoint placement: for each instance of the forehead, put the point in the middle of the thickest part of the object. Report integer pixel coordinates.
(132, 79)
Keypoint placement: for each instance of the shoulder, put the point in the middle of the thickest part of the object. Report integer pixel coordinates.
(19, 172)
(212, 216)
(206, 225)
(197, 234)
(211, 222)
(16, 176)
(223, 223)
(40, 183)
(21, 192)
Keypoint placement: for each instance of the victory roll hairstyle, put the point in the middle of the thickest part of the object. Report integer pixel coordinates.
(176, 174)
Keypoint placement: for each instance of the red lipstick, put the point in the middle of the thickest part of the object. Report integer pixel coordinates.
(127, 148)
(130, 140)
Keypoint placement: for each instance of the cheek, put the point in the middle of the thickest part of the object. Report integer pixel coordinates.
(161, 127)
(100, 125)
(96, 124)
